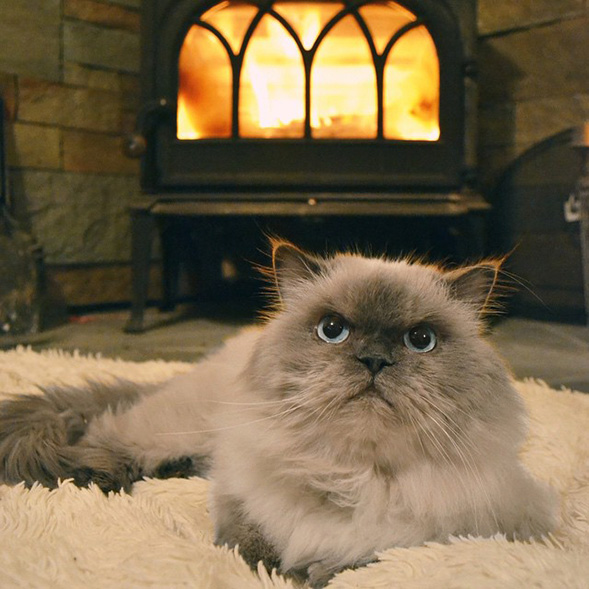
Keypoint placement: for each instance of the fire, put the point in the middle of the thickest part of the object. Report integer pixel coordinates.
(343, 87)
(272, 99)
(411, 89)
(204, 97)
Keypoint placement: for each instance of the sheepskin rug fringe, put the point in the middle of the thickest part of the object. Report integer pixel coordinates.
(161, 535)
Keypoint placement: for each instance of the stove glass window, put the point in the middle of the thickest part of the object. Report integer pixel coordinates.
(308, 70)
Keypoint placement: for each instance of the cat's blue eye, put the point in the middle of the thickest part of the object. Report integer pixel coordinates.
(333, 329)
(420, 339)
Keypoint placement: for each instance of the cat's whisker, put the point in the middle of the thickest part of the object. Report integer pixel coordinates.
(466, 412)
(456, 428)
(469, 468)
(303, 402)
(522, 283)
(239, 403)
(418, 428)
(249, 403)
(466, 464)
(459, 441)
(306, 415)
(295, 407)
(330, 405)
(445, 456)
(438, 446)
(477, 474)
(226, 428)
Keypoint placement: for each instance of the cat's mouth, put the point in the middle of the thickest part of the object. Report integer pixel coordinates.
(372, 393)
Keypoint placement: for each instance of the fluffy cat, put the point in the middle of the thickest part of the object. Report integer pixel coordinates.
(367, 412)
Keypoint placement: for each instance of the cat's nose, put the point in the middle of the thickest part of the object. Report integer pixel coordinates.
(375, 363)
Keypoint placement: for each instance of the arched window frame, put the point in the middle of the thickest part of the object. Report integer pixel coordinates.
(351, 7)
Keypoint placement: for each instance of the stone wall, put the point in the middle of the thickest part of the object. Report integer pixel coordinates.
(534, 75)
(69, 73)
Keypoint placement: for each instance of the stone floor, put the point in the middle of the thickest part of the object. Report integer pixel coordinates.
(556, 353)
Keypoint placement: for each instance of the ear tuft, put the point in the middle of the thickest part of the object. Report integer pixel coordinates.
(474, 285)
(292, 266)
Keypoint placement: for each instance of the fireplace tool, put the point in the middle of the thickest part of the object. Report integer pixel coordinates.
(581, 142)
(19, 264)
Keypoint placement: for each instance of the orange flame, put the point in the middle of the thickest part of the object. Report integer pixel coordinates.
(343, 77)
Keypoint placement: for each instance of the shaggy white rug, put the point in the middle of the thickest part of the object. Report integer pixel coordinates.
(161, 535)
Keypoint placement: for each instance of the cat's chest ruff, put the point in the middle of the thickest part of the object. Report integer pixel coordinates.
(355, 494)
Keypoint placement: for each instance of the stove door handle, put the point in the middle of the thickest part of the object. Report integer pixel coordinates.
(152, 113)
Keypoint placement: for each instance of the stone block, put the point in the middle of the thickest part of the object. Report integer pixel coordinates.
(497, 125)
(559, 254)
(102, 283)
(96, 153)
(30, 31)
(126, 85)
(509, 130)
(8, 91)
(75, 74)
(128, 122)
(538, 63)
(536, 120)
(81, 108)
(496, 16)
(130, 92)
(494, 162)
(34, 146)
(129, 3)
(77, 218)
(96, 46)
(109, 15)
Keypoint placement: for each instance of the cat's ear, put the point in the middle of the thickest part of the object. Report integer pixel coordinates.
(292, 267)
(474, 285)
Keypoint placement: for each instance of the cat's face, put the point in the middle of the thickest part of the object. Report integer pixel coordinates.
(375, 349)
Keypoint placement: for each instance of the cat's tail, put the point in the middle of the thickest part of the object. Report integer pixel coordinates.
(38, 433)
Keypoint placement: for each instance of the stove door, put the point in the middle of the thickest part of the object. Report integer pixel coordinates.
(307, 95)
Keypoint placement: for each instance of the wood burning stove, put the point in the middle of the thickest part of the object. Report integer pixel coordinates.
(293, 95)
(290, 107)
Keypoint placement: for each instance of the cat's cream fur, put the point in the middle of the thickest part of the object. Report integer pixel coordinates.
(318, 462)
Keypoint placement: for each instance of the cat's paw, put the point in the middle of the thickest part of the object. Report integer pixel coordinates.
(232, 529)
(184, 467)
(251, 544)
(254, 547)
(75, 425)
(108, 471)
(319, 574)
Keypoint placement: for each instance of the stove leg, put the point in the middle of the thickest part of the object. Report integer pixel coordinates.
(171, 250)
(472, 243)
(142, 234)
(477, 236)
